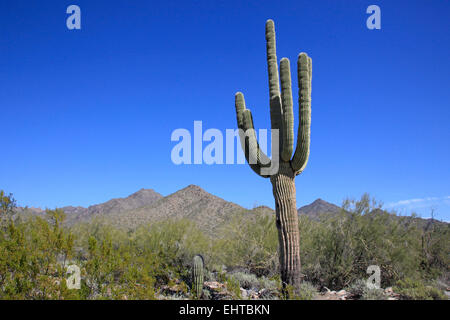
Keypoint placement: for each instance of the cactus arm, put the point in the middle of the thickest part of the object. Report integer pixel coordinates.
(304, 70)
(274, 86)
(261, 157)
(274, 83)
(255, 157)
(288, 112)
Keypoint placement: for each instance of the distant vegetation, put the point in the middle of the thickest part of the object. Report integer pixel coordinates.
(137, 264)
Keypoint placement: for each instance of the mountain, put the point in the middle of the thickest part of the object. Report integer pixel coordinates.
(206, 210)
(139, 199)
(317, 208)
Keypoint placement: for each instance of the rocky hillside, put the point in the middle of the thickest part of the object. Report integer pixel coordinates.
(192, 202)
(207, 211)
(317, 208)
(142, 198)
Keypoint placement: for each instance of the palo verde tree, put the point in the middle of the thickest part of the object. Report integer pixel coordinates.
(281, 168)
(7, 204)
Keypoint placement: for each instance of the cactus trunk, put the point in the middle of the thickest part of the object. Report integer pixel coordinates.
(197, 276)
(283, 185)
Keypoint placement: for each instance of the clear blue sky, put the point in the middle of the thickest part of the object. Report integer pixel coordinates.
(87, 115)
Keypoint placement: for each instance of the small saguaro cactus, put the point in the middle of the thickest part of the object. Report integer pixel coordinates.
(282, 179)
(197, 276)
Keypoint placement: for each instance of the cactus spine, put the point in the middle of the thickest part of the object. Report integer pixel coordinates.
(282, 118)
(197, 276)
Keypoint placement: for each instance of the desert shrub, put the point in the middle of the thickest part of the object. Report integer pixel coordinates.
(411, 289)
(210, 276)
(206, 294)
(435, 248)
(373, 294)
(233, 287)
(7, 204)
(33, 255)
(337, 250)
(271, 284)
(174, 243)
(360, 290)
(246, 280)
(270, 294)
(307, 291)
(441, 283)
(251, 281)
(357, 288)
(249, 240)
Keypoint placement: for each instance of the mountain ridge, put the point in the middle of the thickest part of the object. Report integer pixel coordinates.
(317, 208)
(192, 202)
(138, 200)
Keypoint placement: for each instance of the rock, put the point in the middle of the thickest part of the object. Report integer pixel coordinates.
(214, 285)
(266, 294)
(391, 294)
(244, 294)
(388, 291)
(327, 296)
(167, 290)
(217, 290)
(252, 294)
(222, 295)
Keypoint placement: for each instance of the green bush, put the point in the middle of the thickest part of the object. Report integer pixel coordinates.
(417, 290)
(246, 280)
(357, 288)
(251, 281)
(248, 240)
(337, 250)
(373, 294)
(233, 287)
(307, 291)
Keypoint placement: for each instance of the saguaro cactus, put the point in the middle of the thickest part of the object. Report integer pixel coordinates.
(282, 118)
(197, 276)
